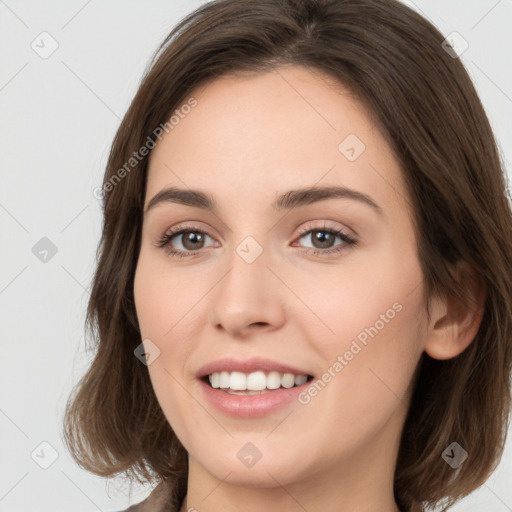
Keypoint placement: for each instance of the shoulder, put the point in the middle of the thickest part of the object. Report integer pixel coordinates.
(157, 501)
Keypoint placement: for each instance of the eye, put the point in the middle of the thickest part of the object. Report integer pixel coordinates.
(192, 241)
(323, 239)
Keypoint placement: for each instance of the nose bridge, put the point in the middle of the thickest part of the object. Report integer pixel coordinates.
(245, 295)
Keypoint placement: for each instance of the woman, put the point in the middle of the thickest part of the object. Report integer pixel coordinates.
(302, 299)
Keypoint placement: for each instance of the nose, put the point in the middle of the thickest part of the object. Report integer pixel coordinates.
(248, 298)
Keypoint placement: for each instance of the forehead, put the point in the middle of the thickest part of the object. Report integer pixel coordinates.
(274, 131)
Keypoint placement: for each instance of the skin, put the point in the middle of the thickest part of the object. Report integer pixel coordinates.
(250, 138)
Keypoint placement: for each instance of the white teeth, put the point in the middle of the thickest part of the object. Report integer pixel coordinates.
(215, 380)
(288, 380)
(256, 381)
(224, 380)
(300, 379)
(274, 380)
(237, 381)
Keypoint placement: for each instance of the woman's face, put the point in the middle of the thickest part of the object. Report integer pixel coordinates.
(262, 283)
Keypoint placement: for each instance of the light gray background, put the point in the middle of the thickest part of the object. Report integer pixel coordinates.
(58, 118)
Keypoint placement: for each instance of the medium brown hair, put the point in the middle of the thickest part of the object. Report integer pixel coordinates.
(392, 60)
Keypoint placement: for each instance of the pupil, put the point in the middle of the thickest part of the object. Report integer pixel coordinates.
(323, 238)
(191, 238)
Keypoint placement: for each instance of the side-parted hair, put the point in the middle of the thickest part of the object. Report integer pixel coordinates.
(424, 103)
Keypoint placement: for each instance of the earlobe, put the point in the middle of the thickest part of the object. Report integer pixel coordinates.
(454, 323)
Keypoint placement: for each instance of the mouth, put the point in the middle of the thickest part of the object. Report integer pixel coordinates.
(254, 383)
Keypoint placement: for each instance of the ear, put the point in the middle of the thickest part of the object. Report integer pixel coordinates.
(453, 324)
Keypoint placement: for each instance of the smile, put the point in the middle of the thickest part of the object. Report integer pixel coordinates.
(255, 382)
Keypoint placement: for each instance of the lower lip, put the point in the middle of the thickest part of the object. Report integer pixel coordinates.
(250, 406)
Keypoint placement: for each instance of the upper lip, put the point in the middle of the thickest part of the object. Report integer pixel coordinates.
(247, 366)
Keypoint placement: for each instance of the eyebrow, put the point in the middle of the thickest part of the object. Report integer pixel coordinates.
(287, 201)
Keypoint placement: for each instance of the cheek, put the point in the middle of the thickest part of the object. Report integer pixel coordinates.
(375, 341)
(371, 300)
(165, 297)
(169, 387)
(165, 309)
(367, 374)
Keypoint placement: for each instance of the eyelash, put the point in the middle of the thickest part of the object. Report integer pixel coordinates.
(164, 241)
